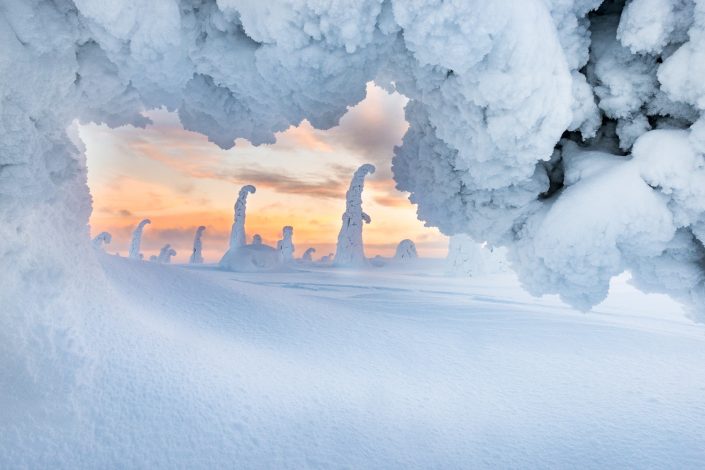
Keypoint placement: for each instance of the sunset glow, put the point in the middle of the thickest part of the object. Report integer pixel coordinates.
(180, 181)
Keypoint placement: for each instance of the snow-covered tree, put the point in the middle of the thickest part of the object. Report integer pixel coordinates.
(101, 240)
(350, 250)
(137, 240)
(257, 239)
(308, 254)
(165, 254)
(238, 237)
(197, 255)
(285, 246)
(406, 250)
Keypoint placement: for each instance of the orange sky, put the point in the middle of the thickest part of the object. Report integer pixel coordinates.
(180, 180)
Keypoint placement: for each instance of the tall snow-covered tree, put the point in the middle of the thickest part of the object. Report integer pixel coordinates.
(238, 237)
(137, 239)
(197, 255)
(350, 249)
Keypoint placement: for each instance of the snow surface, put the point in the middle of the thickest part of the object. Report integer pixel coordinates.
(194, 367)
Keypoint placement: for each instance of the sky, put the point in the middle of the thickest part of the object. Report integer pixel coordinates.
(180, 180)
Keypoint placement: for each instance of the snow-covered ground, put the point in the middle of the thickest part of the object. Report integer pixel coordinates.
(381, 368)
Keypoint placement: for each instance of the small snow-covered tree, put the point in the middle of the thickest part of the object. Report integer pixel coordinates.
(350, 250)
(406, 250)
(308, 254)
(137, 240)
(196, 255)
(257, 239)
(285, 246)
(238, 237)
(165, 254)
(102, 239)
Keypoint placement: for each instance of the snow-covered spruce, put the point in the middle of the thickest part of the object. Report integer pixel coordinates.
(101, 240)
(350, 250)
(197, 255)
(257, 239)
(137, 239)
(285, 246)
(308, 254)
(238, 237)
(165, 254)
(406, 250)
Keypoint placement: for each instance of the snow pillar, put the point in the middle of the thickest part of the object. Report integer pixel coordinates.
(196, 255)
(285, 246)
(137, 239)
(238, 238)
(350, 250)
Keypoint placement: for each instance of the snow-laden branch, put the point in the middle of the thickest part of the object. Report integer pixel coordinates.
(197, 255)
(137, 240)
(350, 249)
(102, 239)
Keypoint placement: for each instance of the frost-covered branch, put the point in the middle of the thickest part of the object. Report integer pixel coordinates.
(350, 249)
(137, 239)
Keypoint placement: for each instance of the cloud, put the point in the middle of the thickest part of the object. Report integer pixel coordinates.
(372, 128)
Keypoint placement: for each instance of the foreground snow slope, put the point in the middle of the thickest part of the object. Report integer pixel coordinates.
(330, 368)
